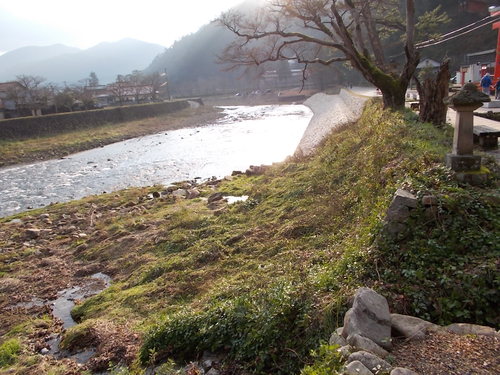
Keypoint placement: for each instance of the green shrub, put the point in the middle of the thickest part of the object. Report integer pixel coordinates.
(265, 330)
(9, 351)
(327, 361)
(446, 266)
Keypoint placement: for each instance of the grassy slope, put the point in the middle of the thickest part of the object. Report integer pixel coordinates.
(268, 279)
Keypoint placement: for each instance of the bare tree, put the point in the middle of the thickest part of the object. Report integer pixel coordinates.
(326, 32)
(119, 88)
(32, 95)
(153, 82)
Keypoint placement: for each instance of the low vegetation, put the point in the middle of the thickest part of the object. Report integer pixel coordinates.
(265, 281)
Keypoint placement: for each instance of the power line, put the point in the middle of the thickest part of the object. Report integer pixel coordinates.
(459, 32)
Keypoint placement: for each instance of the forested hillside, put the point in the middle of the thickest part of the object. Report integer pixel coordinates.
(191, 63)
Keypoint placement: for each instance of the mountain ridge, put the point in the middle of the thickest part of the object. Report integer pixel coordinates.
(60, 63)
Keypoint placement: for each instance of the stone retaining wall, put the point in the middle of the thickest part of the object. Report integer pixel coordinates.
(28, 127)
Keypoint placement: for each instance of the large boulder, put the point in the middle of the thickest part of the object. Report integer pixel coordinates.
(363, 343)
(410, 327)
(471, 329)
(369, 317)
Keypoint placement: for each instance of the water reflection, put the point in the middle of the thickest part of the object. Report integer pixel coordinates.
(245, 136)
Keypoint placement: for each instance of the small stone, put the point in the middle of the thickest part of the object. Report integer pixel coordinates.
(215, 197)
(44, 216)
(193, 193)
(339, 330)
(363, 343)
(16, 221)
(207, 364)
(44, 351)
(180, 193)
(402, 371)
(213, 371)
(336, 339)
(156, 194)
(371, 361)
(429, 200)
(345, 351)
(357, 368)
(33, 233)
(236, 173)
(405, 198)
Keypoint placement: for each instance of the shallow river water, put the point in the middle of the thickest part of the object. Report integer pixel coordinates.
(245, 136)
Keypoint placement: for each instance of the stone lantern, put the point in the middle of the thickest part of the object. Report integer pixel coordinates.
(464, 103)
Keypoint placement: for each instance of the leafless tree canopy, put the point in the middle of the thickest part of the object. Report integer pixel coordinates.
(329, 31)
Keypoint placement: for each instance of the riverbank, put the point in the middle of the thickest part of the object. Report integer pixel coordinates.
(265, 280)
(54, 147)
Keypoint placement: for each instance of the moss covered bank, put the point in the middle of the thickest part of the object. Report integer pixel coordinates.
(259, 282)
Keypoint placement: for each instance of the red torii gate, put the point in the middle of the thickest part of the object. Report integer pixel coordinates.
(495, 11)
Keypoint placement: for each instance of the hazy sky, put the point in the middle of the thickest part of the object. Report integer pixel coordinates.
(86, 23)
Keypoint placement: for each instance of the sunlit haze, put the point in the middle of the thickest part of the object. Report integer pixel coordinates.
(83, 24)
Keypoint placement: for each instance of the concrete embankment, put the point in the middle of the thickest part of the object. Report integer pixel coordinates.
(330, 112)
(39, 126)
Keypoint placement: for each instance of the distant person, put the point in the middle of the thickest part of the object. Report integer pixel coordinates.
(497, 90)
(486, 83)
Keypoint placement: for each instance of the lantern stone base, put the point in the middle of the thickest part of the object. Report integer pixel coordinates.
(474, 178)
(461, 163)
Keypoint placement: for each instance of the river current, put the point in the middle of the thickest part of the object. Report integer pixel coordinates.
(244, 136)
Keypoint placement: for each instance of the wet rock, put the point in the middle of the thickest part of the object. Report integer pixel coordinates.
(156, 194)
(369, 317)
(357, 368)
(371, 361)
(471, 329)
(402, 371)
(215, 197)
(336, 339)
(410, 327)
(362, 343)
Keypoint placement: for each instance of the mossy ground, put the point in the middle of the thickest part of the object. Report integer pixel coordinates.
(265, 281)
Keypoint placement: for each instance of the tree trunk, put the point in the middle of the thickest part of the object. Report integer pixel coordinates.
(432, 92)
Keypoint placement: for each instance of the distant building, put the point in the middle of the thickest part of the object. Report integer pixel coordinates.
(476, 6)
(476, 65)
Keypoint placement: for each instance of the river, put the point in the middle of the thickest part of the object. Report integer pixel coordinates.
(244, 136)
